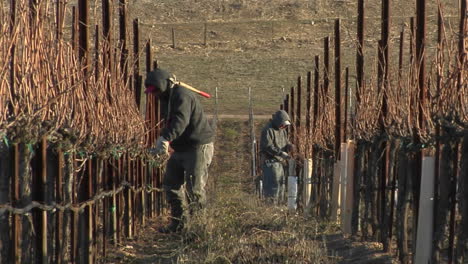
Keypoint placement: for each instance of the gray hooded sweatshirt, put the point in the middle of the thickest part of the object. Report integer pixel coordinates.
(274, 140)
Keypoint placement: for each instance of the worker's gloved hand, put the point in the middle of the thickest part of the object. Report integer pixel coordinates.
(290, 148)
(285, 155)
(161, 148)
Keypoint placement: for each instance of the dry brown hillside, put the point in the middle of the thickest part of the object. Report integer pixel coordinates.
(262, 44)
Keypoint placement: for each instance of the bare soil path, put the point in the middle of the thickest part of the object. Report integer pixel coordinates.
(149, 246)
(349, 251)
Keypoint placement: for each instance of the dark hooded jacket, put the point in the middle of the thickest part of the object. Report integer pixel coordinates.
(274, 140)
(186, 123)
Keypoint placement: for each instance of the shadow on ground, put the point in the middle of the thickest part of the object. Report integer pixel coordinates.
(347, 251)
(149, 246)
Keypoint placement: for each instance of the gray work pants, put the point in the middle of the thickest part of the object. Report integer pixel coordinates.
(273, 175)
(191, 168)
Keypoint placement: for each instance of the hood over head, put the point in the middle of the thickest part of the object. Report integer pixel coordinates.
(159, 79)
(280, 118)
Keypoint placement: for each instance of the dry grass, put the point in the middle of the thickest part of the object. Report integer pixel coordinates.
(241, 229)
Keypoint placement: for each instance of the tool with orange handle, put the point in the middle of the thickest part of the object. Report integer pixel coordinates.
(187, 86)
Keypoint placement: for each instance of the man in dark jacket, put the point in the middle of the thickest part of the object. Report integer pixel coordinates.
(274, 148)
(190, 135)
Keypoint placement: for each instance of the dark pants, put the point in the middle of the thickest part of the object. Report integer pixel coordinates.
(191, 168)
(273, 175)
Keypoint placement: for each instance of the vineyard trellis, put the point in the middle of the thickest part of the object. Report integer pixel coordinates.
(397, 144)
(74, 171)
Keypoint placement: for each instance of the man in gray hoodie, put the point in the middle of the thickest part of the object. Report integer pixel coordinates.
(274, 148)
(191, 136)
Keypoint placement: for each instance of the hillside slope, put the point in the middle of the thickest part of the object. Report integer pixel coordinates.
(264, 45)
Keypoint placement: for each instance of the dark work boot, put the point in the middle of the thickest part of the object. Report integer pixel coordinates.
(174, 227)
(176, 224)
